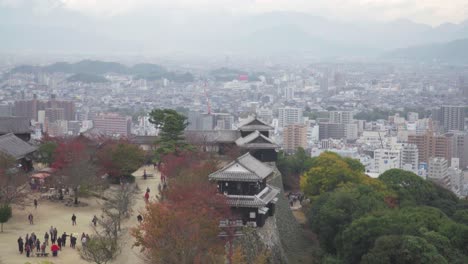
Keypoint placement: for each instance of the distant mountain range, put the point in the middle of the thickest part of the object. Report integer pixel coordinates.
(450, 52)
(92, 71)
(182, 32)
(87, 78)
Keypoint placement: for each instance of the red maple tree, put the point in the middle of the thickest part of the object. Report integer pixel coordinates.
(184, 227)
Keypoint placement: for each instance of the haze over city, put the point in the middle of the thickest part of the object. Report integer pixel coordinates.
(248, 131)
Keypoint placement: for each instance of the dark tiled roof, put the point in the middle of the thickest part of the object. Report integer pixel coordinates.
(253, 123)
(266, 196)
(236, 176)
(244, 168)
(15, 125)
(256, 140)
(14, 146)
(212, 136)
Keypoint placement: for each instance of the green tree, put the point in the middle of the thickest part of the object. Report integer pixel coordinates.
(403, 250)
(328, 172)
(334, 211)
(45, 153)
(120, 158)
(5, 215)
(411, 188)
(361, 234)
(171, 127)
(461, 216)
(293, 166)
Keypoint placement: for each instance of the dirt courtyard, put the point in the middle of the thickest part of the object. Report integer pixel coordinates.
(58, 215)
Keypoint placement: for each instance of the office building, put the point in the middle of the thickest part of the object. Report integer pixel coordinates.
(289, 92)
(341, 117)
(289, 116)
(54, 114)
(351, 132)
(223, 121)
(294, 136)
(331, 130)
(113, 124)
(200, 121)
(324, 83)
(459, 147)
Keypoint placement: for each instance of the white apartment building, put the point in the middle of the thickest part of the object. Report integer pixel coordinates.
(409, 158)
(289, 116)
(386, 159)
(438, 171)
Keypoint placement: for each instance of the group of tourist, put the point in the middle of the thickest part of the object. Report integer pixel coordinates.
(32, 243)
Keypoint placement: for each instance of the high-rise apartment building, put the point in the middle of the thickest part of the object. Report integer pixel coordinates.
(294, 136)
(113, 124)
(289, 116)
(452, 117)
(431, 146)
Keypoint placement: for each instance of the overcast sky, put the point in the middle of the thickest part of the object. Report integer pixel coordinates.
(433, 12)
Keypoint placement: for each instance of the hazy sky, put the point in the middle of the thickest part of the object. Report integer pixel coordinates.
(431, 12)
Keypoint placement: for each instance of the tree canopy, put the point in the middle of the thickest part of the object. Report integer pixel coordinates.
(171, 127)
(119, 158)
(397, 218)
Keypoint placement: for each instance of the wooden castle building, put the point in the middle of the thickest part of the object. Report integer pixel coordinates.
(244, 183)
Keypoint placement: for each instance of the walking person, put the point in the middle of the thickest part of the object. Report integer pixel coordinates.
(43, 248)
(54, 248)
(46, 238)
(59, 242)
(28, 250)
(53, 238)
(35, 203)
(147, 197)
(31, 218)
(139, 218)
(38, 245)
(20, 245)
(30, 242)
(64, 239)
(73, 218)
(95, 219)
(83, 241)
(72, 241)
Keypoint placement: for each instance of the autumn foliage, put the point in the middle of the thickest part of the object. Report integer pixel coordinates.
(184, 227)
(119, 157)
